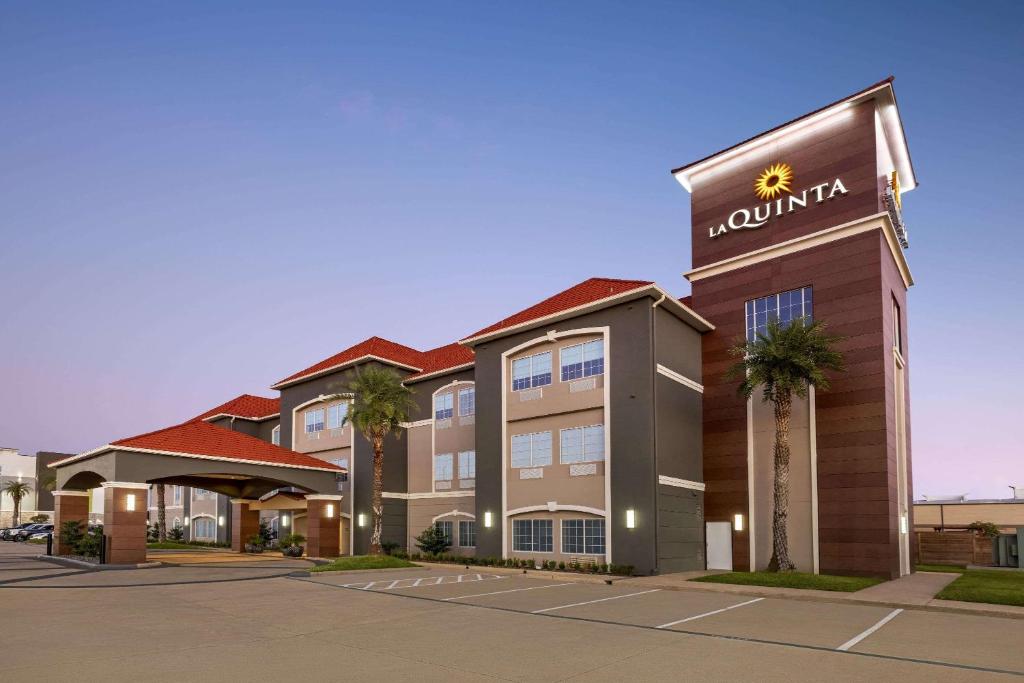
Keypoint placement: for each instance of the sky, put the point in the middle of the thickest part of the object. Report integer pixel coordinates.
(199, 199)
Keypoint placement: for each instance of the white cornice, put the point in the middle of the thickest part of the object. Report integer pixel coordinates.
(682, 379)
(437, 494)
(680, 483)
(362, 359)
(177, 454)
(241, 417)
(436, 373)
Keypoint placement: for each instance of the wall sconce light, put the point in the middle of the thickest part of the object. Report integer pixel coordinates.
(329, 512)
(129, 502)
(737, 522)
(488, 520)
(284, 520)
(362, 519)
(630, 518)
(186, 520)
(220, 521)
(904, 524)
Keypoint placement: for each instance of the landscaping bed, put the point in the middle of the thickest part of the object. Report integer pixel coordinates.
(821, 582)
(177, 545)
(358, 562)
(516, 563)
(992, 586)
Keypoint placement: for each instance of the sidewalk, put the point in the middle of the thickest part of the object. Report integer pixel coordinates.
(914, 591)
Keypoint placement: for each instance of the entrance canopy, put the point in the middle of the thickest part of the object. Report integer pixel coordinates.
(200, 455)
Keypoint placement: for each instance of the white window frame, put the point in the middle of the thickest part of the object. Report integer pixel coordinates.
(468, 391)
(583, 360)
(447, 401)
(275, 435)
(750, 308)
(583, 445)
(341, 411)
(451, 465)
(452, 541)
(532, 357)
(470, 471)
(462, 534)
(533, 536)
(312, 412)
(533, 450)
(585, 521)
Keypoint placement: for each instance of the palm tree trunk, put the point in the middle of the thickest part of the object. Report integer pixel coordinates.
(161, 514)
(17, 510)
(378, 495)
(780, 562)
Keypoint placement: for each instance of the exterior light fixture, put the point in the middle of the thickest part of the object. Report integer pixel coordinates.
(488, 520)
(630, 518)
(362, 519)
(284, 520)
(220, 521)
(129, 502)
(186, 520)
(329, 511)
(904, 524)
(737, 522)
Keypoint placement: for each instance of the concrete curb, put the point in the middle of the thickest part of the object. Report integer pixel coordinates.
(82, 564)
(537, 573)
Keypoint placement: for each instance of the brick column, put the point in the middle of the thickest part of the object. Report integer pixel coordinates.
(244, 523)
(323, 525)
(68, 506)
(124, 521)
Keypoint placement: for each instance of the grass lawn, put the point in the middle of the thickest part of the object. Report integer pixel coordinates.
(175, 545)
(948, 568)
(821, 582)
(994, 586)
(347, 564)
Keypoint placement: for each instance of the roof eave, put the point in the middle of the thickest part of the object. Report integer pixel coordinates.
(334, 368)
(241, 417)
(438, 373)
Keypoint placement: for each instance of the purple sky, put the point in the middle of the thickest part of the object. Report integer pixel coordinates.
(196, 202)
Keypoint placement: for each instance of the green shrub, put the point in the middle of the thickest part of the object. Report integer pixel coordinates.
(432, 541)
(39, 519)
(176, 534)
(291, 539)
(984, 529)
(389, 547)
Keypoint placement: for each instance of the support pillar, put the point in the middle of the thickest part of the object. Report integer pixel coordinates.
(244, 523)
(124, 521)
(68, 506)
(323, 525)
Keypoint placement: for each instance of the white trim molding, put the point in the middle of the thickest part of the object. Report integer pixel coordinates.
(444, 371)
(126, 485)
(241, 461)
(355, 361)
(555, 507)
(417, 423)
(452, 513)
(437, 494)
(680, 483)
(323, 496)
(878, 221)
(70, 493)
(682, 379)
(241, 417)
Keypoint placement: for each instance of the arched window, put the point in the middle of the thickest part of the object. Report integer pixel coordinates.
(204, 529)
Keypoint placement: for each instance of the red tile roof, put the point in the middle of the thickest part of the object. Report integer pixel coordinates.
(444, 358)
(586, 292)
(247, 406)
(204, 439)
(374, 346)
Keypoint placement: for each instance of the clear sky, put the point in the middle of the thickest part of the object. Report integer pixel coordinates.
(198, 200)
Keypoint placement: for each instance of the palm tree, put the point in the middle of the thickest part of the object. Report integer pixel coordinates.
(17, 490)
(783, 362)
(380, 402)
(161, 514)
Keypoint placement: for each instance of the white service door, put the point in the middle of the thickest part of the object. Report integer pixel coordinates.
(718, 537)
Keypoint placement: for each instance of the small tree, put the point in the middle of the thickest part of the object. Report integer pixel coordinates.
(984, 529)
(71, 534)
(783, 362)
(39, 519)
(432, 541)
(176, 534)
(17, 490)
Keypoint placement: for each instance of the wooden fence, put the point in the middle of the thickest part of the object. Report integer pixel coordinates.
(953, 547)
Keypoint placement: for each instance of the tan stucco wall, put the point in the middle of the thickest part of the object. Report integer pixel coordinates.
(800, 530)
(556, 532)
(557, 397)
(423, 511)
(419, 460)
(1009, 514)
(328, 439)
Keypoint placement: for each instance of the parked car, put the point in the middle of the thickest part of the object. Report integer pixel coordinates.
(8, 534)
(33, 530)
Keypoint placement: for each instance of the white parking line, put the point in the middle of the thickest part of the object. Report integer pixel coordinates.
(856, 639)
(591, 602)
(513, 590)
(708, 614)
(423, 581)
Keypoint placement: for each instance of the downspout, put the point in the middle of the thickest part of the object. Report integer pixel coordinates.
(654, 426)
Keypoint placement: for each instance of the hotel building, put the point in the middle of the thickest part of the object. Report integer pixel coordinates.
(598, 425)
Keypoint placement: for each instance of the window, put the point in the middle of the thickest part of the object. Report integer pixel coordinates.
(176, 492)
(446, 529)
(467, 402)
(583, 360)
(532, 535)
(582, 444)
(201, 494)
(897, 327)
(275, 436)
(467, 465)
(467, 534)
(314, 420)
(583, 536)
(203, 527)
(343, 463)
(443, 406)
(531, 450)
(443, 467)
(785, 307)
(177, 523)
(336, 415)
(532, 371)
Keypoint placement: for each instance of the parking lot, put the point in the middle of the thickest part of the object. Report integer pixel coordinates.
(268, 621)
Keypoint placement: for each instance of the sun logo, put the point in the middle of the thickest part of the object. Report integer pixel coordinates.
(775, 180)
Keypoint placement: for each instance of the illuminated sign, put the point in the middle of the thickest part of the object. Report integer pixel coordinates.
(774, 182)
